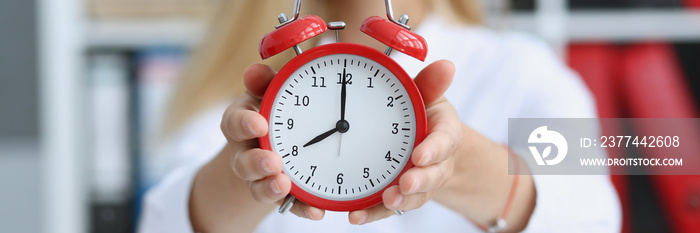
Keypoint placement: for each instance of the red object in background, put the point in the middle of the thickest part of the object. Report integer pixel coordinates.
(692, 3)
(597, 65)
(656, 88)
(645, 81)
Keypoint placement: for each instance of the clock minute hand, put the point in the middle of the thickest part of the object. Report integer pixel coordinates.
(321, 137)
(342, 97)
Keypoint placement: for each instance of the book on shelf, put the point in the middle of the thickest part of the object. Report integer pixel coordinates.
(110, 180)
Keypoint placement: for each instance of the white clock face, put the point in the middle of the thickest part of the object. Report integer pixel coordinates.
(342, 157)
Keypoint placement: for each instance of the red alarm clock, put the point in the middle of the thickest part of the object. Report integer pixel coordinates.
(344, 117)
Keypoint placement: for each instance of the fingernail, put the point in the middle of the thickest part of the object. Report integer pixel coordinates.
(308, 215)
(397, 202)
(363, 219)
(427, 157)
(416, 185)
(275, 188)
(307, 212)
(265, 166)
(250, 128)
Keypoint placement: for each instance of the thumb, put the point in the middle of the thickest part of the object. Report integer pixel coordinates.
(434, 79)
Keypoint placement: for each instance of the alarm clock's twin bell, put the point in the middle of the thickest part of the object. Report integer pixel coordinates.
(291, 32)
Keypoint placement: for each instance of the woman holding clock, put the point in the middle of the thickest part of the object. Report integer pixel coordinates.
(473, 80)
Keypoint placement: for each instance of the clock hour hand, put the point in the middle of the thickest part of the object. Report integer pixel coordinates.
(341, 126)
(321, 137)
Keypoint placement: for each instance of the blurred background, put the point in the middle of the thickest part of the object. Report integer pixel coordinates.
(83, 85)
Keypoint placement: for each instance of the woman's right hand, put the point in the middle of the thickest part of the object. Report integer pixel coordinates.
(223, 188)
(262, 169)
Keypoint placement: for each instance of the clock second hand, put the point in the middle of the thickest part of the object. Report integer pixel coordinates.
(340, 145)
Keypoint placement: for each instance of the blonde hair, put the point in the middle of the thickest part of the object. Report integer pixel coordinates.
(215, 73)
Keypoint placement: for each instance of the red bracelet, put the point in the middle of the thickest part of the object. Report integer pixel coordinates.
(501, 220)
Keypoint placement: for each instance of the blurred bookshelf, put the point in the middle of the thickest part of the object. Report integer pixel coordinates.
(622, 25)
(132, 52)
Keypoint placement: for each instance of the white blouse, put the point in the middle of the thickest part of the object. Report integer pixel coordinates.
(499, 75)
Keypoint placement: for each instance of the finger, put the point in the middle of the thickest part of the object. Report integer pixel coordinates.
(255, 164)
(443, 138)
(304, 210)
(240, 124)
(394, 200)
(270, 189)
(425, 179)
(435, 148)
(257, 77)
(369, 215)
(434, 79)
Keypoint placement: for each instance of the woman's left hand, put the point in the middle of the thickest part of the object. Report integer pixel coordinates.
(433, 158)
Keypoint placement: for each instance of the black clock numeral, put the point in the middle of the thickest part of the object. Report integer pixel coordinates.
(290, 123)
(339, 178)
(365, 174)
(391, 101)
(313, 170)
(348, 78)
(395, 130)
(370, 82)
(323, 82)
(304, 100)
(388, 156)
(295, 150)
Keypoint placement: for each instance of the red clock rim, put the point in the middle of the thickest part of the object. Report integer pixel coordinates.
(354, 49)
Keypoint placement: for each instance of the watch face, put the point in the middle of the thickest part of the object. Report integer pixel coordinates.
(342, 154)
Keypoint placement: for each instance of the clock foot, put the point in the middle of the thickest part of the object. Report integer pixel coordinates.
(287, 204)
(399, 212)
